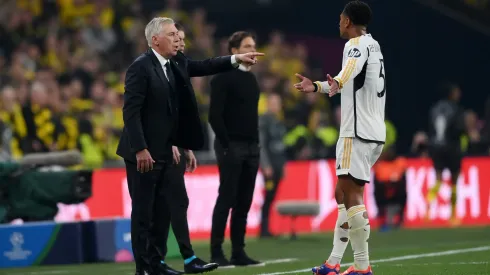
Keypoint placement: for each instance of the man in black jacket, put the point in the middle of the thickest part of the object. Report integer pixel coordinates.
(446, 126)
(272, 156)
(158, 99)
(233, 116)
(188, 162)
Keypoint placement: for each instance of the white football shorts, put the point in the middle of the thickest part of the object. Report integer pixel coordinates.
(356, 157)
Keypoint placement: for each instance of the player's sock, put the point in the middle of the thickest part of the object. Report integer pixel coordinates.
(359, 230)
(454, 199)
(190, 259)
(434, 191)
(340, 237)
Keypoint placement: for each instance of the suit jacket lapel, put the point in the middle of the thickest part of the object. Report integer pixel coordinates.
(159, 70)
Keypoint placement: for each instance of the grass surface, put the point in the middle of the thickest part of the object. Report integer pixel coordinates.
(458, 251)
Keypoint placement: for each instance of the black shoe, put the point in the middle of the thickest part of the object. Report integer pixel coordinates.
(165, 269)
(242, 259)
(221, 261)
(199, 266)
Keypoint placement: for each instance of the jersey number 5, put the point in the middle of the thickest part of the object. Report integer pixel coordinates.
(382, 75)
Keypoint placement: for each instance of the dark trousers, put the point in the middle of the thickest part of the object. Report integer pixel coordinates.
(238, 168)
(271, 186)
(390, 193)
(179, 203)
(156, 200)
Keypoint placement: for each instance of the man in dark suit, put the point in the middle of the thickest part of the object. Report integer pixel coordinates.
(160, 110)
(188, 162)
(183, 160)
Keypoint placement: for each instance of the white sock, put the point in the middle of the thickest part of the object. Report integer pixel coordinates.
(340, 237)
(359, 230)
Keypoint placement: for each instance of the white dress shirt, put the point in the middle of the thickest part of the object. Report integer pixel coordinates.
(163, 61)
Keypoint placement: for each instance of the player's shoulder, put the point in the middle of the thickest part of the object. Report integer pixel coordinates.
(363, 40)
(353, 42)
(356, 47)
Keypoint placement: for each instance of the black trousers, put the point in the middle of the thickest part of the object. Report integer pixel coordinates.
(271, 186)
(398, 197)
(179, 203)
(238, 168)
(157, 200)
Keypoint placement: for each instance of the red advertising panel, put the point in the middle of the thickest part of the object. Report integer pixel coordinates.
(309, 180)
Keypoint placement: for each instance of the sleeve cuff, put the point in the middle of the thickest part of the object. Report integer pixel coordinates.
(323, 87)
(337, 78)
(319, 87)
(234, 63)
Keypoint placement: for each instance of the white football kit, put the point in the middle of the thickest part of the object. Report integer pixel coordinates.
(362, 89)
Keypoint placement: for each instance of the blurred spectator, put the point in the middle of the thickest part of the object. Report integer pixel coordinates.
(391, 134)
(174, 11)
(98, 38)
(65, 60)
(390, 188)
(5, 139)
(472, 142)
(272, 156)
(8, 114)
(486, 129)
(325, 135)
(420, 145)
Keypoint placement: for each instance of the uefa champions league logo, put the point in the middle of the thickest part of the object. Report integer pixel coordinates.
(17, 252)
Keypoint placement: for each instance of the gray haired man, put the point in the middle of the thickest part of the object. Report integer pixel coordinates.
(159, 111)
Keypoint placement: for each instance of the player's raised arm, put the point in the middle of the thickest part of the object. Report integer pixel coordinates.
(356, 58)
(308, 86)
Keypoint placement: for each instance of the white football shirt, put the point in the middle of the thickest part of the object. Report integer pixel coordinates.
(363, 90)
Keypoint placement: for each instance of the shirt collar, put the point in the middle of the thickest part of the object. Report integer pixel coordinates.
(163, 61)
(244, 68)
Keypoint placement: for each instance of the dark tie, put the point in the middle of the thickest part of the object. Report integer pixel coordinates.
(174, 97)
(170, 74)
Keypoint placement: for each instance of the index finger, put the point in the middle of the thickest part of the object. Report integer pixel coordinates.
(257, 54)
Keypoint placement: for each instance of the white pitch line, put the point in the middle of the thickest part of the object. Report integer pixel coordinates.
(435, 263)
(401, 258)
(280, 261)
(49, 272)
(266, 262)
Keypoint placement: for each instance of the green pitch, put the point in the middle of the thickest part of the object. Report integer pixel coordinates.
(459, 251)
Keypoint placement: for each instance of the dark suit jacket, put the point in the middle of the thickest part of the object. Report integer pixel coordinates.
(147, 110)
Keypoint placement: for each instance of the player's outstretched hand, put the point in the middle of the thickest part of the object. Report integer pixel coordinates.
(248, 59)
(305, 86)
(334, 86)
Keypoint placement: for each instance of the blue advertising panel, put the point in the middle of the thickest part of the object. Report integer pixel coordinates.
(113, 241)
(40, 243)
